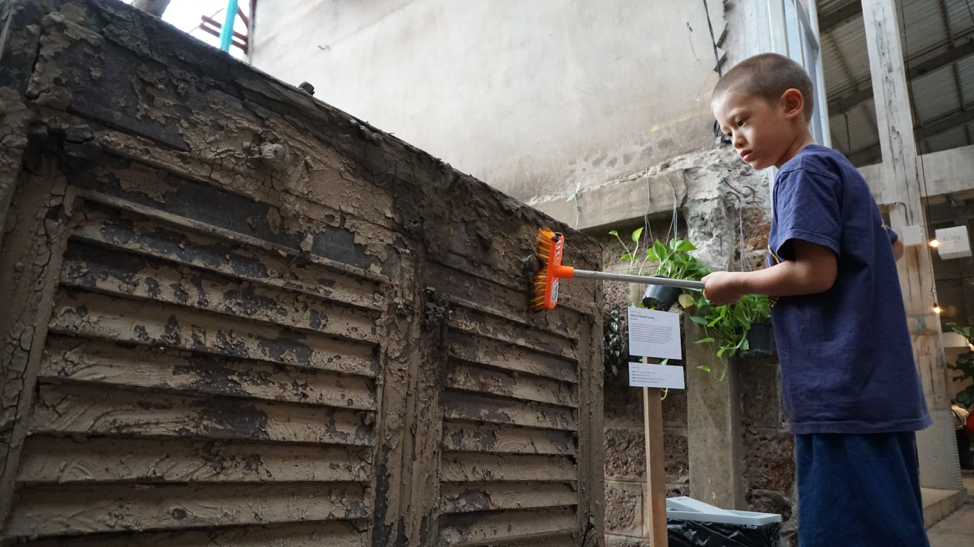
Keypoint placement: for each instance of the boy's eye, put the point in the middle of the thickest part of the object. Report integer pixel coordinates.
(740, 123)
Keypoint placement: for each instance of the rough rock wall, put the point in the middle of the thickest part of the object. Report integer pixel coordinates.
(769, 450)
(238, 316)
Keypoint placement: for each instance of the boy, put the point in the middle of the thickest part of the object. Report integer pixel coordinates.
(850, 385)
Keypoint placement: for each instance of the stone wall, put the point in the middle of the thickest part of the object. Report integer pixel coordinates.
(769, 450)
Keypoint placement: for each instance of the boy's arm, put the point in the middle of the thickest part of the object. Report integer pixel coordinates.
(895, 242)
(813, 271)
(898, 249)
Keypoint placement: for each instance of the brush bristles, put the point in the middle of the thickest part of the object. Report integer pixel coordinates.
(545, 236)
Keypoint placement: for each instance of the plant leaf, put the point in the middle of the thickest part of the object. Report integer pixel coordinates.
(685, 246)
(698, 320)
(704, 341)
(635, 235)
(704, 368)
(660, 251)
(613, 233)
(686, 301)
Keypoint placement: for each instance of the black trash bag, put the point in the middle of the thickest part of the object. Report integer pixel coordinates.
(688, 533)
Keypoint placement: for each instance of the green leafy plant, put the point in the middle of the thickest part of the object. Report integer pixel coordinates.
(755, 309)
(675, 261)
(726, 326)
(964, 368)
(631, 255)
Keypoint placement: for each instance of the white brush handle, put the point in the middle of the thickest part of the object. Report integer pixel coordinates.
(662, 281)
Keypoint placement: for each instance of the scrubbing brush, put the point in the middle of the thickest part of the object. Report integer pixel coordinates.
(551, 248)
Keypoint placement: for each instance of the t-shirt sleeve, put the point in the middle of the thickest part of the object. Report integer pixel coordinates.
(807, 208)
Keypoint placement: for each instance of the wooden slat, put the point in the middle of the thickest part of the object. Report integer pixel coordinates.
(106, 459)
(458, 405)
(51, 511)
(551, 539)
(227, 226)
(479, 529)
(472, 467)
(507, 331)
(99, 362)
(74, 409)
(488, 296)
(485, 351)
(171, 243)
(472, 497)
(160, 325)
(305, 534)
(497, 439)
(133, 276)
(471, 377)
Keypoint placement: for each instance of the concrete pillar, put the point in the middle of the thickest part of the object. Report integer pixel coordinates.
(713, 426)
(939, 466)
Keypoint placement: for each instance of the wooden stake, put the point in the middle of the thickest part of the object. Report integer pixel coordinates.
(654, 513)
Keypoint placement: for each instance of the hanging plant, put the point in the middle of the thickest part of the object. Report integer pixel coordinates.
(675, 262)
(728, 327)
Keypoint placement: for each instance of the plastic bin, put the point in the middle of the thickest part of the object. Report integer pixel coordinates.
(692, 523)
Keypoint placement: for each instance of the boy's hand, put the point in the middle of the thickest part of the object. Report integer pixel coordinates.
(723, 288)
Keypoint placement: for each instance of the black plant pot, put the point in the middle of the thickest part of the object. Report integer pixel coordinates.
(661, 298)
(760, 342)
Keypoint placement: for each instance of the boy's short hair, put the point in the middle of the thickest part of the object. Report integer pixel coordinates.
(768, 76)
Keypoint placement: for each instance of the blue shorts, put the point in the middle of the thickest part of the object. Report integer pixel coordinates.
(859, 491)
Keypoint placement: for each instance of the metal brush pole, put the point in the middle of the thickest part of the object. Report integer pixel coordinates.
(662, 281)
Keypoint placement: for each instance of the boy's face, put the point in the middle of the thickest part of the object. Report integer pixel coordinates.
(762, 131)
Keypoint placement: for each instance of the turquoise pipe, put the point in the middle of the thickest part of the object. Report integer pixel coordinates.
(226, 33)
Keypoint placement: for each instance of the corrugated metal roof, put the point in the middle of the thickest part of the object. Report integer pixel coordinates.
(930, 30)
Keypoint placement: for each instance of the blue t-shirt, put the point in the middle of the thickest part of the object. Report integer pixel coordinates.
(846, 357)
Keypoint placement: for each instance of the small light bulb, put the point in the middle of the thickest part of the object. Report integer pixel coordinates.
(936, 308)
(934, 243)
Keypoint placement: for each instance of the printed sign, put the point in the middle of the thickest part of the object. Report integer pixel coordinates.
(953, 242)
(659, 376)
(654, 334)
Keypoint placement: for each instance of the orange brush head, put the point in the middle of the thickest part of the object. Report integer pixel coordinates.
(551, 247)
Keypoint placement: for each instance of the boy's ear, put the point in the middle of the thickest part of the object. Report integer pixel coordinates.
(793, 102)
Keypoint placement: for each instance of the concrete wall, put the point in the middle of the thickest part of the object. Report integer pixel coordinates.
(531, 97)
